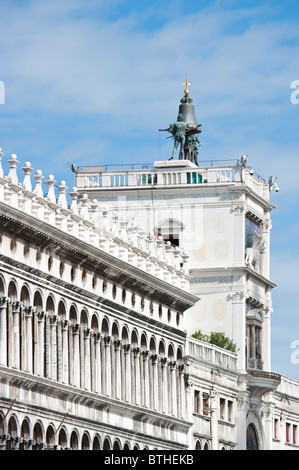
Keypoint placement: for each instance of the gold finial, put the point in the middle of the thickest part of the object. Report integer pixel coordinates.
(186, 83)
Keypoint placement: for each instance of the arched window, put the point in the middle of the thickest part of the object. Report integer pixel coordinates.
(169, 230)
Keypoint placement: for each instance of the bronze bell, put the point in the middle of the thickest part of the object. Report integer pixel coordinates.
(187, 109)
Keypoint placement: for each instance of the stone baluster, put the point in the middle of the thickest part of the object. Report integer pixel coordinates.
(27, 179)
(62, 201)
(123, 229)
(12, 175)
(74, 205)
(51, 191)
(13, 192)
(84, 213)
(168, 252)
(51, 199)
(39, 183)
(38, 202)
(160, 248)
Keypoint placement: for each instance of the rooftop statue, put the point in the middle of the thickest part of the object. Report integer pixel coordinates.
(184, 130)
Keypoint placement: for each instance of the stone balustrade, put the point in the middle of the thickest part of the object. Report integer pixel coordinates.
(75, 214)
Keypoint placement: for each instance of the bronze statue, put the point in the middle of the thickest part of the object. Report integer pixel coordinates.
(184, 130)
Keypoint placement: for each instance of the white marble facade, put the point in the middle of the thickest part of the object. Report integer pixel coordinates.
(98, 304)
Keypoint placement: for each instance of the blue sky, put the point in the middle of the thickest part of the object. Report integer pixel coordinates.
(92, 82)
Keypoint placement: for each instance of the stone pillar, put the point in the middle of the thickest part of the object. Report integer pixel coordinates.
(87, 382)
(164, 391)
(16, 335)
(3, 331)
(98, 366)
(214, 420)
(28, 339)
(127, 350)
(65, 352)
(76, 355)
(53, 348)
(155, 381)
(107, 378)
(146, 355)
(117, 345)
(241, 419)
(182, 411)
(41, 341)
(173, 397)
(137, 375)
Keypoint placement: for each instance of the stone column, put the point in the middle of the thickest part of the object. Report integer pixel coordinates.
(146, 355)
(164, 391)
(127, 350)
(3, 331)
(173, 387)
(98, 366)
(137, 376)
(241, 419)
(28, 339)
(117, 345)
(16, 335)
(155, 381)
(65, 352)
(214, 420)
(87, 383)
(53, 348)
(40, 346)
(182, 411)
(76, 355)
(107, 378)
